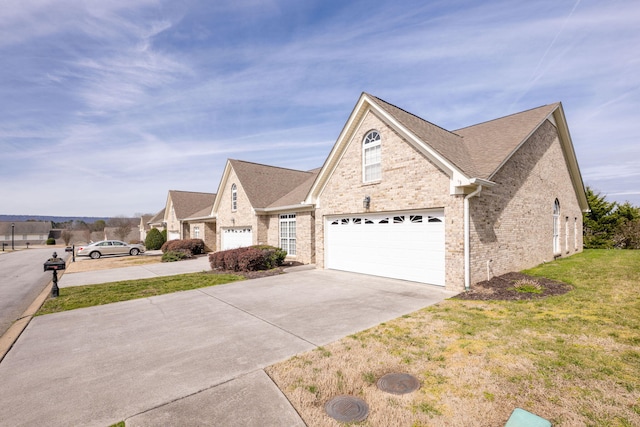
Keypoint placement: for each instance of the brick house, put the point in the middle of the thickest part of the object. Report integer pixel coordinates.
(260, 204)
(185, 216)
(447, 208)
(401, 197)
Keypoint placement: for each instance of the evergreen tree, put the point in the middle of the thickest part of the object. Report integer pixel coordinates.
(154, 240)
(600, 222)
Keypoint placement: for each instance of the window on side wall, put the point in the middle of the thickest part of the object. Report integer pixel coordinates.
(371, 157)
(288, 233)
(196, 232)
(234, 197)
(556, 227)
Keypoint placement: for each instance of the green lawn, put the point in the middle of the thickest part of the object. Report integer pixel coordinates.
(573, 359)
(87, 296)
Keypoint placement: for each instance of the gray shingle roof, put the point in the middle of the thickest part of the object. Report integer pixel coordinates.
(447, 144)
(264, 185)
(25, 227)
(186, 203)
(157, 218)
(478, 150)
(491, 143)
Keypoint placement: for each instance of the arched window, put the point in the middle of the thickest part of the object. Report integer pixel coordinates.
(234, 197)
(556, 228)
(371, 157)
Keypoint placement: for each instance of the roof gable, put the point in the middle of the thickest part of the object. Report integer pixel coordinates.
(186, 203)
(470, 156)
(448, 144)
(265, 184)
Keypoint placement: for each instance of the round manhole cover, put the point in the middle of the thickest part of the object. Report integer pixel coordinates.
(398, 383)
(347, 409)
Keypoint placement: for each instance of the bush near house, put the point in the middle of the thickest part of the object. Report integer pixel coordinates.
(251, 258)
(154, 240)
(51, 241)
(195, 246)
(178, 255)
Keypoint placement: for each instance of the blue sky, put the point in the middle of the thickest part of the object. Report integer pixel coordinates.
(105, 106)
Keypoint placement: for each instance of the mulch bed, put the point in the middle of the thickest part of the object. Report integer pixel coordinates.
(501, 288)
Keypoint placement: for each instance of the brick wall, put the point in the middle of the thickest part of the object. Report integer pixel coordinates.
(242, 217)
(512, 223)
(409, 181)
(305, 243)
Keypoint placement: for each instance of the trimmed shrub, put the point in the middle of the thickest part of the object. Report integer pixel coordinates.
(51, 241)
(179, 255)
(154, 240)
(250, 258)
(164, 234)
(195, 246)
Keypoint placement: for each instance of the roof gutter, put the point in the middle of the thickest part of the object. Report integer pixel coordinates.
(467, 252)
(209, 218)
(300, 207)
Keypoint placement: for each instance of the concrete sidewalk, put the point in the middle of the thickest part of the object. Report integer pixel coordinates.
(132, 273)
(194, 357)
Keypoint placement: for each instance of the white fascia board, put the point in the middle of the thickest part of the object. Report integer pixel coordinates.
(364, 105)
(457, 178)
(223, 181)
(291, 208)
(210, 218)
(336, 153)
(566, 143)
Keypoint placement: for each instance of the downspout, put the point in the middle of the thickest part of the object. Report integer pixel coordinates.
(467, 256)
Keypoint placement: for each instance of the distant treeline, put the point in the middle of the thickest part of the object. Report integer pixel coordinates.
(54, 219)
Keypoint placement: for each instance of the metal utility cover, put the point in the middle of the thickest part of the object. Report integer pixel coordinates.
(347, 409)
(398, 383)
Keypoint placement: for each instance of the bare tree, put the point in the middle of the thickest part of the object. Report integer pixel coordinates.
(122, 225)
(66, 235)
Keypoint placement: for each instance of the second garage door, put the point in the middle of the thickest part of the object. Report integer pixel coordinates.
(408, 246)
(236, 238)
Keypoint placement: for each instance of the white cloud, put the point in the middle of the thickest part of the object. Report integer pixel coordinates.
(155, 90)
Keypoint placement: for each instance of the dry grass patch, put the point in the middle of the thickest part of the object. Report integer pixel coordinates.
(572, 359)
(106, 263)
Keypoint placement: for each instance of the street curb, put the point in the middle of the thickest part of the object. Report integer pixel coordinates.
(9, 338)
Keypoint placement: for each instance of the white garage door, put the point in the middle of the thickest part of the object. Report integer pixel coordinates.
(236, 238)
(408, 246)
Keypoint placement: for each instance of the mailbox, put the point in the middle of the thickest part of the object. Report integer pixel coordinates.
(54, 264)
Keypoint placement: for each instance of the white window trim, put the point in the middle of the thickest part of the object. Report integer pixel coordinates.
(556, 228)
(566, 234)
(372, 140)
(288, 241)
(234, 198)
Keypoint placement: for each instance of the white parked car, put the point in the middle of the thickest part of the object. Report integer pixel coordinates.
(109, 247)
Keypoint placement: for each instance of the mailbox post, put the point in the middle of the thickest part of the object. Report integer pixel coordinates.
(54, 264)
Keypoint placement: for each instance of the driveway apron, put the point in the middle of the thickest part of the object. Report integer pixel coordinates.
(192, 356)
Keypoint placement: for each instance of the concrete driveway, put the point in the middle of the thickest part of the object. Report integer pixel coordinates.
(191, 358)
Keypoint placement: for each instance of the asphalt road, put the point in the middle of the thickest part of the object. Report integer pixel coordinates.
(21, 280)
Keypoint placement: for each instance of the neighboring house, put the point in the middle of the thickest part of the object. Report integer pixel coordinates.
(144, 226)
(23, 232)
(260, 204)
(157, 221)
(401, 197)
(187, 204)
